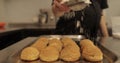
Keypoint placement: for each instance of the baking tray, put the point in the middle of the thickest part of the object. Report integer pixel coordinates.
(108, 57)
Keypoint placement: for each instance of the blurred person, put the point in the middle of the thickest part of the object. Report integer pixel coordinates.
(87, 21)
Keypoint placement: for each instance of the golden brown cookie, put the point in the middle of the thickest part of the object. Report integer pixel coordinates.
(67, 41)
(90, 52)
(29, 54)
(41, 43)
(56, 43)
(86, 42)
(70, 53)
(49, 54)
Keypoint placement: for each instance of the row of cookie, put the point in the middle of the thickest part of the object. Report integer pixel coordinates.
(66, 49)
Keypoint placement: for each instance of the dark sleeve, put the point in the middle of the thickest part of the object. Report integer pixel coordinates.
(103, 4)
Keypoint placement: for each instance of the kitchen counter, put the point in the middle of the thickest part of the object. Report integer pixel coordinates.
(111, 44)
(7, 29)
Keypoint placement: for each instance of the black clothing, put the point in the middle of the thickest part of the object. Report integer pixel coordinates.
(89, 19)
(103, 4)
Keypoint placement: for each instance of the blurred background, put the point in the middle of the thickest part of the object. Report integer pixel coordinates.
(21, 19)
(27, 12)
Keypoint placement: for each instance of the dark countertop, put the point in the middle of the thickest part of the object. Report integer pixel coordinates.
(111, 44)
(7, 29)
(15, 34)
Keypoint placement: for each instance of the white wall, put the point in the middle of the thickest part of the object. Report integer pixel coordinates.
(114, 15)
(112, 11)
(2, 10)
(24, 10)
(114, 7)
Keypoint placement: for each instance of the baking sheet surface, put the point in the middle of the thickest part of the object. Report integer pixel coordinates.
(15, 57)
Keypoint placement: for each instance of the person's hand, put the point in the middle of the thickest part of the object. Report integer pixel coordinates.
(61, 7)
